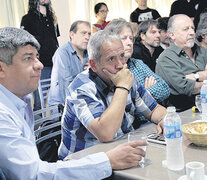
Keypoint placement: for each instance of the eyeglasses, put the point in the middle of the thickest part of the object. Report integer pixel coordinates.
(103, 11)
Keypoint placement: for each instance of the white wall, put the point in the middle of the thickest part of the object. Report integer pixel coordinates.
(68, 11)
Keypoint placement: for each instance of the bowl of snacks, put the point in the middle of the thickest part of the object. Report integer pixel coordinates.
(196, 132)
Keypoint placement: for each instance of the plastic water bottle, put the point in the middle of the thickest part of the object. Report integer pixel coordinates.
(204, 100)
(173, 138)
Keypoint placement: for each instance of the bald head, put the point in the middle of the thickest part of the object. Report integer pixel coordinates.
(181, 31)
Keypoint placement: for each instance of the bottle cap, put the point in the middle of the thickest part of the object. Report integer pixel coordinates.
(171, 109)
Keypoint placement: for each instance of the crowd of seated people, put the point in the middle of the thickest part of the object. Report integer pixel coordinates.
(155, 85)
(135, 68)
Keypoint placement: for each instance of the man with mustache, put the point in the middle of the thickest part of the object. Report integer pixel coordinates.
(69, 60)
(183, 64)
(147, 44)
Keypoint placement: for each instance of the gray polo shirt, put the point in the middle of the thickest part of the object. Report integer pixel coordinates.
(173, 64)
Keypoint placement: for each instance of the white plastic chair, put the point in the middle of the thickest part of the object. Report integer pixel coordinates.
(48, 132)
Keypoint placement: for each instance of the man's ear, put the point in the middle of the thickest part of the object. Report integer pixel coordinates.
(203, 36)
(2, 69)
(171, 35)
(142, 36)
(71, 34)
(93, 65)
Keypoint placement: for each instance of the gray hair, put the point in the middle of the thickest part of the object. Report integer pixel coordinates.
(171, 23)
(13, 38)
(117, 25)
(202, 27)
(97, 41)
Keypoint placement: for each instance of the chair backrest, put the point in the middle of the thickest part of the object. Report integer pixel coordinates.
(2, 177)
(43, 88)
(48, 132)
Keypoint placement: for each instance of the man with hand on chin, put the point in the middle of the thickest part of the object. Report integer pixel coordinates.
(103, 102)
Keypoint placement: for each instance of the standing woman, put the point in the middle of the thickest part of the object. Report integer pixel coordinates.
(101, 11)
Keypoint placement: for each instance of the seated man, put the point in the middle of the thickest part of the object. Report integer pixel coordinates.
(183, 64)
(20, 71)
(154, 84)
(147, 44)
(69, 60)
(103, 102)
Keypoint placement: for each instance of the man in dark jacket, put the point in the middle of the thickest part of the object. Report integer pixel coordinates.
(147, 44)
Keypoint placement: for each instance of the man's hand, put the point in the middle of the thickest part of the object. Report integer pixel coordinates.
(149, 82)
(160, 127)
(122, 78)
(202, 74)
(190, 76)
(126, 155)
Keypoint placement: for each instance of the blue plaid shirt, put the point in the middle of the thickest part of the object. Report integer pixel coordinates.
(160, 91)
(88, 97)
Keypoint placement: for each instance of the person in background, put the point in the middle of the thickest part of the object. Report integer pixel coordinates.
(20, 71)
(183, 64)
(187, 7)
(162, 26)
(101, 11)
(201, 32)
(69, 60)
(142, 13)
(202, 8)
(147, 43)
(41, 22)
(103, 101)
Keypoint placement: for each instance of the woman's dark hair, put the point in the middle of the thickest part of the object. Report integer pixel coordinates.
(34, 5)
(98, 7)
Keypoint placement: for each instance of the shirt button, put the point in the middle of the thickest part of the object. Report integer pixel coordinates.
(47, 25)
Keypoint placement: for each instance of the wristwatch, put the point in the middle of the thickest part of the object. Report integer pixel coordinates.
(196, 75)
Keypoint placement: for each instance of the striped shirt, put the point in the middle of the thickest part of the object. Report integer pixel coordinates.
(88, 97)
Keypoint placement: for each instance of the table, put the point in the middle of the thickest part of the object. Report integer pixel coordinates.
(155, 152)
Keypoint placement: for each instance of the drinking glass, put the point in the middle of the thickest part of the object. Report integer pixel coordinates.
(134, 136)
(198, 103)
